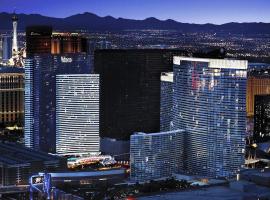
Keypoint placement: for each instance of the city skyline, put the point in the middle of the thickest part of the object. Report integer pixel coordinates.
(96, 107)
(195, 11)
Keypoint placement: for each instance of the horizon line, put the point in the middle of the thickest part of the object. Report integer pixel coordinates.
(164, 20)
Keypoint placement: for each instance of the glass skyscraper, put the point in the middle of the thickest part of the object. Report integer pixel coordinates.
(130, 89)
(77, 113)
(209, 103)
(156, 155)
(166, 101)
(40, 92)
(28, 104)
(40, 103)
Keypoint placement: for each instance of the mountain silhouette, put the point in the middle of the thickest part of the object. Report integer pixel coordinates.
(91, 22)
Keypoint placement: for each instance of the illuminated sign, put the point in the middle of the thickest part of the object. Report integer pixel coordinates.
(66, 59)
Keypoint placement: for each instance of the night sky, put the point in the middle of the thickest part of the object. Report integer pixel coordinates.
(192, 11)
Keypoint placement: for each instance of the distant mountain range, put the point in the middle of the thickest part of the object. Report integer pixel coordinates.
(92, 22)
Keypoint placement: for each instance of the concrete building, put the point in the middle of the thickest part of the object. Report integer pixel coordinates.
(262, 118)
(77, 114)
(156, 155)
(42, 39)
(11, 96)
(258, 83)
(62, 43)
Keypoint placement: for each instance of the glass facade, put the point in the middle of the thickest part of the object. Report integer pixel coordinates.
(28, 104)
(209, 103)
(130, 90)
(77, 114)
(156, 155)
(166, 101)
(40, 92)
(40, 103)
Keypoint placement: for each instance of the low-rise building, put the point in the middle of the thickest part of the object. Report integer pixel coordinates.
(18, 163)
(155, 155)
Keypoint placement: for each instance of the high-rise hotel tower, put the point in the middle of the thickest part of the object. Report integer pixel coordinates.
(77, 113)
(41, 69)
(209, 103)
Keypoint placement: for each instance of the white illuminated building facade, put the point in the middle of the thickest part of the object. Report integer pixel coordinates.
(156, 155)
(77, 114)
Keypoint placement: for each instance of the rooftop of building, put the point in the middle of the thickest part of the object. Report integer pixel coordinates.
(167, 76)
(215, 63)
(157, 134)
(213, 193)
(15, 154)
(77, 75)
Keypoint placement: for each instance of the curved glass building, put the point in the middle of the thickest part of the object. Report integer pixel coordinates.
(156, 155)
(209, 103)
